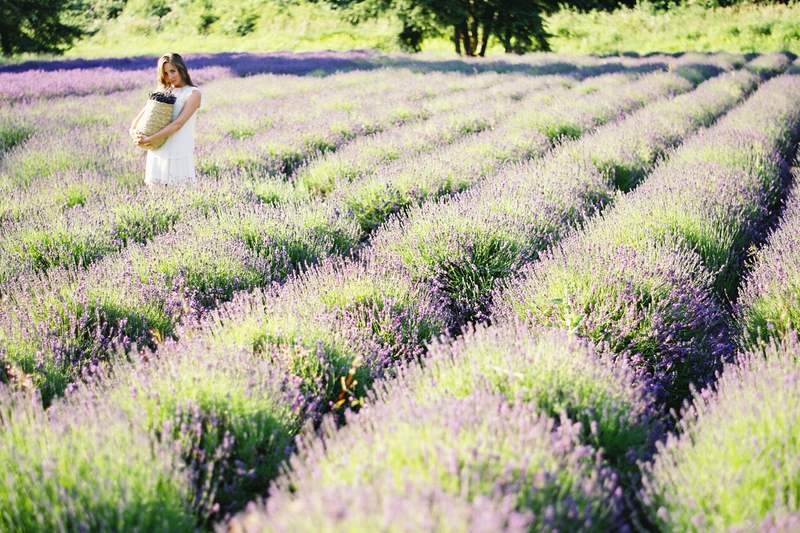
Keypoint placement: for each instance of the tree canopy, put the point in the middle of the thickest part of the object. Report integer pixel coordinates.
(37, 26)
(517, 24)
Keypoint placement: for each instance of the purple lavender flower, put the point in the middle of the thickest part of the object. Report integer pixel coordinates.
(769, 301)
(479, 449)
(85, 465)
(742, 435)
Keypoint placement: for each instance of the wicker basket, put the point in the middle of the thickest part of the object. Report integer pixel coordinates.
(157, 114)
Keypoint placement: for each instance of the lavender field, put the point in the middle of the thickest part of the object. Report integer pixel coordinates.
(547, 293)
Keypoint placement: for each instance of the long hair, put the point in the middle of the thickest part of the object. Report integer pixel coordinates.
(176, 60)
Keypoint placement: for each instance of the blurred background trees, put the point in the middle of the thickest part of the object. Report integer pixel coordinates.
(517, 24)
(37, 26)
(469, 27)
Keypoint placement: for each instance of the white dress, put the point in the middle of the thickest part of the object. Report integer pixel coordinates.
(173, 162)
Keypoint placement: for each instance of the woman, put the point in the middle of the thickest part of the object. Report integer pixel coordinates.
(173, 162)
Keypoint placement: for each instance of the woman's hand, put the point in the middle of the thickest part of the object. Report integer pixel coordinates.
(142, 140)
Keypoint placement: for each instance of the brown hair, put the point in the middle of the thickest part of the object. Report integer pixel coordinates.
(176, 60)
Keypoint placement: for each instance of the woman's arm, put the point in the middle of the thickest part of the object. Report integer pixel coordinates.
(191, 105)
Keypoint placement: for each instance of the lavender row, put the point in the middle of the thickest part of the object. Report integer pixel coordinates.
(87, 467)
(528, 136)
(464, 246)
(38, 84)
(768, 307)
(34, 80)
(366, 157)
(415, 437)
(645, 280)
(280, 152)
(770, 64)
(733, 465)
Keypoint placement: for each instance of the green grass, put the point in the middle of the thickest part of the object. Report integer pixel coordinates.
(644, 29)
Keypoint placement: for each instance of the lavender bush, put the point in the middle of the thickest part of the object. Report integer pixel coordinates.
(769, 64)
(86, 467)
(528, 134)
(231, 416)
(557, 374)
(769, 302)
(738, 171)
(479, 449)
(337, 327)
(36, 84)
(360, 157)
(734, 465)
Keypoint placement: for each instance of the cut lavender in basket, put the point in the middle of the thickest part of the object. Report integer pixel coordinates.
(166, 98)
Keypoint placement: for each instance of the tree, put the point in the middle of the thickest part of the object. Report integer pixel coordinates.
(517, 24)
(36, 26)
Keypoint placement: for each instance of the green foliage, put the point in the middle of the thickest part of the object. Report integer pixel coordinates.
(517, 24)
(36, 26)
(205, 26)
(557, 374)
(243, 22)
(12, 134)
(743, 27)
(158, 8)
